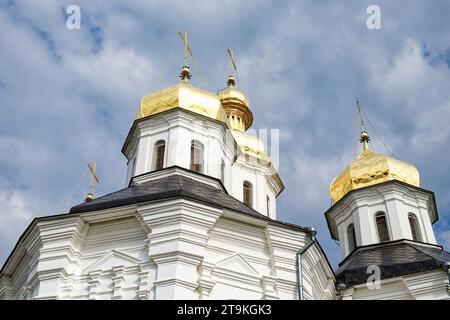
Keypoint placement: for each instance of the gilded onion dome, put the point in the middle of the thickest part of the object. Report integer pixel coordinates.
(372, 168)
(236, 106)
(183, 95)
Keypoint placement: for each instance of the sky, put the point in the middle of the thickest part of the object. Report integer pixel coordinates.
(68, 97)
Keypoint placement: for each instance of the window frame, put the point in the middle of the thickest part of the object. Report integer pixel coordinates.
(222, 171)
(413, 220)
(197, 146)
(156, 147)
(378, 215)
(133, 166)
(352, 244)
(247, 186)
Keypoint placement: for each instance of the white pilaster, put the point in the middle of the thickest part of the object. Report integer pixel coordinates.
(179, 232)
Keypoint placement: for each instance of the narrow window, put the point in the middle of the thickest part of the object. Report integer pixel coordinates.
(196, 156)
(383, 233)
(133, 167)
(248, 193)
(158, 154)
(222, 171)
(351, 237)
(268, 205)
(415, 229)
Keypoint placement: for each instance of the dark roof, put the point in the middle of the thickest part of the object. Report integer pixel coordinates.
(173, 186)
(395, 258)
(167, 187)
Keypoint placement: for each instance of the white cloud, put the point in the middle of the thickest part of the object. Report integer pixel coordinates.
(15, 215)
(13, 211)
(444, 236)
(114, 71)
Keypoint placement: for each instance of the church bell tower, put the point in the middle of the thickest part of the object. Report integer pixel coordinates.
(378, 199)
(383, 220)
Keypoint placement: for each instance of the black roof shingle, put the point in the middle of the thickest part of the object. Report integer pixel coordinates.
(395, 258)
(164, 188)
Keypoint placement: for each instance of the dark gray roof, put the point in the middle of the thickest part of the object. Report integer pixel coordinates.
(395, 258)
(164, 188)
(172, 186)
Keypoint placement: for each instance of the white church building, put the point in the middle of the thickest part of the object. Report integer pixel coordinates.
(198, 220)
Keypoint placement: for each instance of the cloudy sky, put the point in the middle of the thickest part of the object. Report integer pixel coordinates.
(69, 96)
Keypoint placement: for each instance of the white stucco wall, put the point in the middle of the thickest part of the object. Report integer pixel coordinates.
(175, 249)
(178, 128)
(393, 199)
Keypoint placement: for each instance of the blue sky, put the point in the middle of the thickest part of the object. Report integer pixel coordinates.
(69, 96)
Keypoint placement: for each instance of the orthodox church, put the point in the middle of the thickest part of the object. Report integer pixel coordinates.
(198, 220)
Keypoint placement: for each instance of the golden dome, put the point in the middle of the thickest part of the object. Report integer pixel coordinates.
(182, 95)
(372, 168)
(236, 106)
(89, 197)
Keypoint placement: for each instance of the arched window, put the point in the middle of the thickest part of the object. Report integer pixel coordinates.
(351, 237)
(196, 156)
(382, 228)
(414, 225)
(268, 205)
(248, 193)
(158, 154)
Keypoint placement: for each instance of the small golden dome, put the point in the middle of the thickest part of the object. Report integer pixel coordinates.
(89, 197)
(372, 168)
(182, 95)
(185, 74)
(236, 106)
